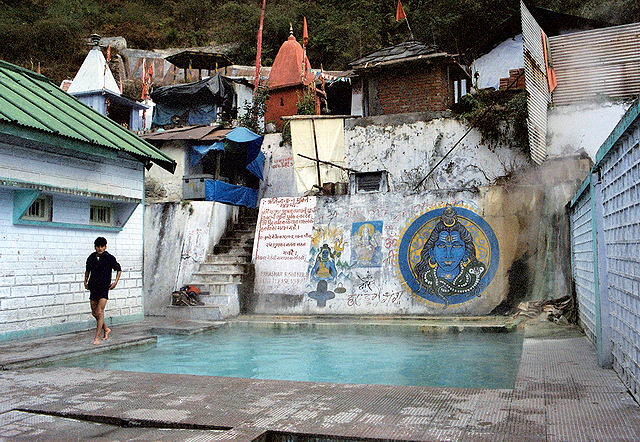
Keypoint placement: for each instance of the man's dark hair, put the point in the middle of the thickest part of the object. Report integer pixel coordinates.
(100, 242)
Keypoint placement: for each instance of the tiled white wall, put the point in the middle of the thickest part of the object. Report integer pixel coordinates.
(117, 176)
(42, 268)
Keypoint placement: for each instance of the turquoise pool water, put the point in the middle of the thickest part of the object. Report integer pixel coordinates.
(343, 355)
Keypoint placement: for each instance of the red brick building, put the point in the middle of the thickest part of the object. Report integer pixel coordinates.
(409, 77)
(288, 81)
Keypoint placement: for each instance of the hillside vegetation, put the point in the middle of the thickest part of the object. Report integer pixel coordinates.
(51, 31)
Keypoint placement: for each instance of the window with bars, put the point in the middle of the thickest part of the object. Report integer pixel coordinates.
(101, 214)
(39, 210)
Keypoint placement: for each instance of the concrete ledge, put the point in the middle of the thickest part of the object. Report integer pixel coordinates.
(61, 355)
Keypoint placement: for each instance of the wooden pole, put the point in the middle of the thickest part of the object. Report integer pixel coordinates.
(259, 51)
(315, 145)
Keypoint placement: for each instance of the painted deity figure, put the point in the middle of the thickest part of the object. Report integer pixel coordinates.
(448, 264)
(324, 268)
(365, 244)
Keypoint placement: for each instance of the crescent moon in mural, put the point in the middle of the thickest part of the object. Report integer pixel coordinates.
(448, 255)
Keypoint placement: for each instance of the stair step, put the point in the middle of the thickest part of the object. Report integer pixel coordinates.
(194, 312)
(206, 267)
(226, 259)
(220, 299)
(233, 250)
(218, 288)
(235, 241)
(215, 278)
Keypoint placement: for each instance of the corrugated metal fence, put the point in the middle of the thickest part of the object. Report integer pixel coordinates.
(605, 250)
(537, 88)
(600, 62)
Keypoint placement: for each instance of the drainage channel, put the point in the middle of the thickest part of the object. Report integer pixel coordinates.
(125, 422)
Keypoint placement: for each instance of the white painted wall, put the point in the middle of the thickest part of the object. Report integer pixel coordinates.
(495, 65)
(408, 150)
(177, 238)
(161, 184)
(356, 97)
(116, 176)
(582, 127)
(42, 268)
(279, 178)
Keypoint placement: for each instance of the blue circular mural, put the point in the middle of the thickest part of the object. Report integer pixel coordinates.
(448, 255)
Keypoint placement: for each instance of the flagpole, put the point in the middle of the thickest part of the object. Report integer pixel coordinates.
(410, 31)
(400, 15)
(259, 52)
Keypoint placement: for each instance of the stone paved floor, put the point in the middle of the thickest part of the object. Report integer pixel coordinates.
(560, 394)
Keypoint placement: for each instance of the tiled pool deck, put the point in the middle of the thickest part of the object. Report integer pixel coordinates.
(560, 394)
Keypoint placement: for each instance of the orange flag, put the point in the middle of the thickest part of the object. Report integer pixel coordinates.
(400, 15)
(150, 73)
(108, 53)
(305, 33)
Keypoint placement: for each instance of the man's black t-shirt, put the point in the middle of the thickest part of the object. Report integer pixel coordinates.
(100, 267)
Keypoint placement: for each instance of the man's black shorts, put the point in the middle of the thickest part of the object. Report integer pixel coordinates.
(97, 294)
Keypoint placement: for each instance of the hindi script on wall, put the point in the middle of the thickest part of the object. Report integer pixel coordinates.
(282, 242)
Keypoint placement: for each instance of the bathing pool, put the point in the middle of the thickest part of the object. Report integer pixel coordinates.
(370, 355)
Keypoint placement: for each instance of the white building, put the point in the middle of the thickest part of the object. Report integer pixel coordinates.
(67, 175)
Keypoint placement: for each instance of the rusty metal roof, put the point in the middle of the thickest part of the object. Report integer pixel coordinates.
(189, 133)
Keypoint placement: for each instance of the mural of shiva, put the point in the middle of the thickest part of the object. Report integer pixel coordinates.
(448, 255)
(448, 263)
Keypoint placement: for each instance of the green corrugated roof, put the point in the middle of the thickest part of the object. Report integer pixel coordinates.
(33, 107)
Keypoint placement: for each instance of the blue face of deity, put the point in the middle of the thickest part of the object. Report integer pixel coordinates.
(448, 252)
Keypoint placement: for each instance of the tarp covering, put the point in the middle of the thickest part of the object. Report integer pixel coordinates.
(195, 99)
(242, 139)
(220, 191)
(330, 146)
(256, 166)
(199, 151)
(252, 140)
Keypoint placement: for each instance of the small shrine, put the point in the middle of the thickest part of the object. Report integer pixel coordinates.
(289, 80)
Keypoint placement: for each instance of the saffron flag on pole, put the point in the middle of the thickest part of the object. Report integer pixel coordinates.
(305, 33)
(400, 15)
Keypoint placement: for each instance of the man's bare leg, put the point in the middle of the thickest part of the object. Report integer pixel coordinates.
(97, 310)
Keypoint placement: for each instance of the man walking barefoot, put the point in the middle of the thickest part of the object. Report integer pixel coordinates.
(97, 279)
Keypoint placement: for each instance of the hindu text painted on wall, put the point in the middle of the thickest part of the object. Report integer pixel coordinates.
(448, 255)
(282, 242)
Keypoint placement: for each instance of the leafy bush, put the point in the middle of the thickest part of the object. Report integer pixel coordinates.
(306, 103)
(254, 110)
(500, 116)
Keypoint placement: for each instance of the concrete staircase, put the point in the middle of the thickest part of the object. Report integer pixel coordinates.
(221, 275)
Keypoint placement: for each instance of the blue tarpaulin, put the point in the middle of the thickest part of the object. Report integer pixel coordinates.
(256, 166)
(215, 190)
(198, 151)
(252, 140)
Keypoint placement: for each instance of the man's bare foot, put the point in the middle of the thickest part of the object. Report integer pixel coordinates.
(106, 334)
(96, 341)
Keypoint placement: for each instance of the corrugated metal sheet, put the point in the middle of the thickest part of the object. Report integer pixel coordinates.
(599, 62)
(31, 102)
(536, 84)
